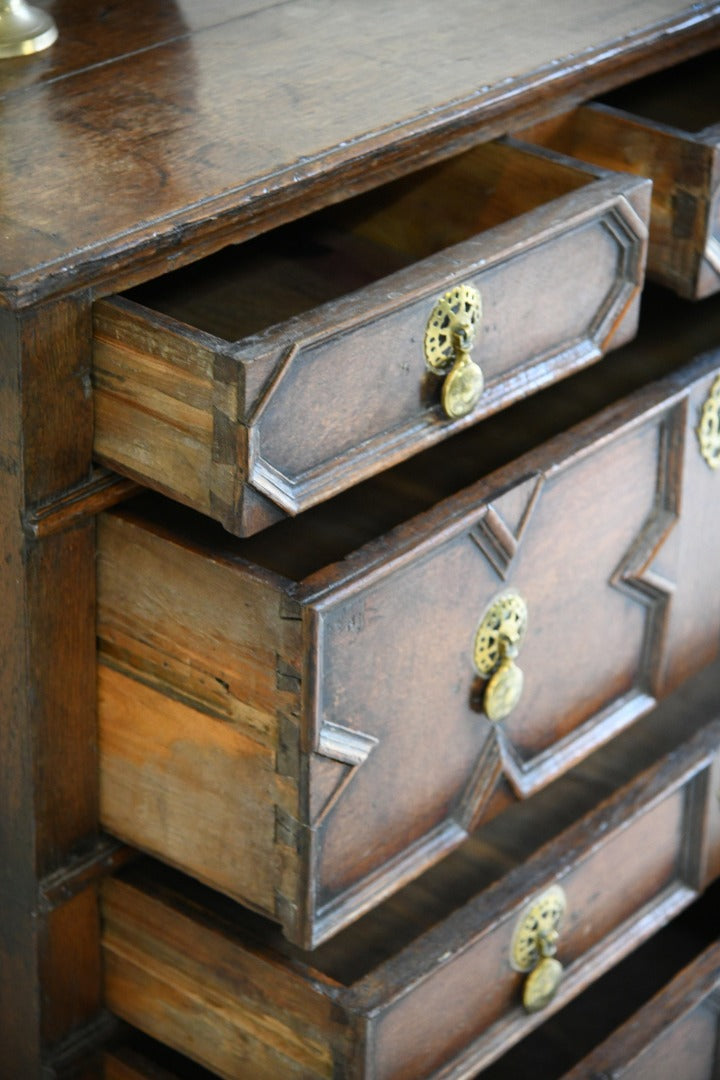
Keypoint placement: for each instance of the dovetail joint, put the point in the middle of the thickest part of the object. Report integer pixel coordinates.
(288, 752)
(287, 829)
(287, 677)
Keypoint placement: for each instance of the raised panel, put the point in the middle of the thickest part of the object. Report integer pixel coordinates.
(589, 658)
(534, 315)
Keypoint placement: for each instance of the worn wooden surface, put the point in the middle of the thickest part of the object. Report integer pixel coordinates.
(665, 127)
(183, 965)
(49, 970)
(211, 665)
(318, 376)
(127, 156)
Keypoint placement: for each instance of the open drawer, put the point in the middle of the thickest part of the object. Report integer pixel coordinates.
(263, 380)
(677, 1033)
(666, 127)
(305, 720)
(446, 976)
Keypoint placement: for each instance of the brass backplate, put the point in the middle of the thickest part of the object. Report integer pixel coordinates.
(455, 316)
(502, 627)
(538, 923)
(708, 431)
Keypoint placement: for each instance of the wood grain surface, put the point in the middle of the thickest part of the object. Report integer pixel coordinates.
(49, 970)
(140, 145)
(154, 133)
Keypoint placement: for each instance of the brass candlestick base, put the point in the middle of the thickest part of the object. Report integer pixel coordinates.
(24, 29)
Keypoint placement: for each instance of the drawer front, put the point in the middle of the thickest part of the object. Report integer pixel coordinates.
(620, 872)
(607, 543)
(675, 1034)
(253, 429)
(673, 139)
(306, 747)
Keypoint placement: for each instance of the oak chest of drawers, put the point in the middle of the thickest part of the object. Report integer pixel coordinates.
(399, 539)
(305, 743)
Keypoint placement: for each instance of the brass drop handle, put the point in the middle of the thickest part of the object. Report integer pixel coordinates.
(497, 643)
(449, 335)
(533, 948)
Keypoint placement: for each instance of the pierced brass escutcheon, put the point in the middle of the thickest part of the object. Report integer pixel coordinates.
(449, 335)
(708, 431)
(533, 947)
(497, 643)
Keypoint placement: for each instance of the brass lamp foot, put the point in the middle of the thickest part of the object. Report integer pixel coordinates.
(24, 29)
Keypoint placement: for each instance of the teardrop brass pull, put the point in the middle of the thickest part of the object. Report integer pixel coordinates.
(449, 335)
(533, 947)
(497, 643)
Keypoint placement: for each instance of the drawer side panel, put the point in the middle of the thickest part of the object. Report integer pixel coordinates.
(190, 986)
(197, 713)
(681, 166)
(153, 393)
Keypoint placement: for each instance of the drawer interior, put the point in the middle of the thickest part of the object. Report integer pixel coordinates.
(135, 1056)
(665, 127)
(296, 548)
(686, 96)
(247, 288)
(681, 99)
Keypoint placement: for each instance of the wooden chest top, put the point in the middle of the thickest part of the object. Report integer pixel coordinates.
(164, 133)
